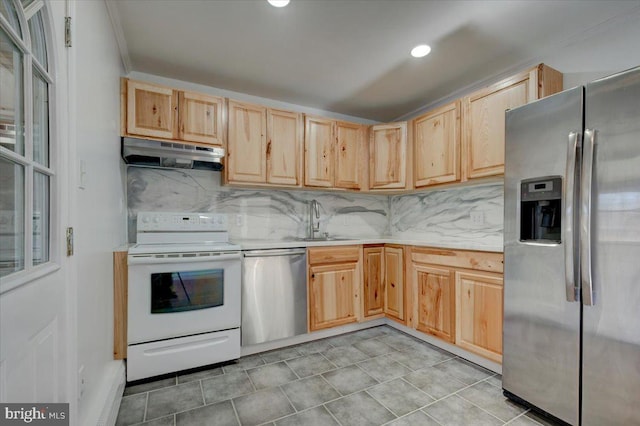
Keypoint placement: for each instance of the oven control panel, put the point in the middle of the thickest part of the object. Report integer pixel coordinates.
(165, 221)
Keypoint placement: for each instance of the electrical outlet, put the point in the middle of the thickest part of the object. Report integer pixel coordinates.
(477, 217)
(82, 382)
(239, 220)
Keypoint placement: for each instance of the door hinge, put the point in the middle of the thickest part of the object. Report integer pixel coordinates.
(69, 241)
(67, 31)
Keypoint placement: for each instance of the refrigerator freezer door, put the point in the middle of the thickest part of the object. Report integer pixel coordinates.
(541, 327)
(611, 326)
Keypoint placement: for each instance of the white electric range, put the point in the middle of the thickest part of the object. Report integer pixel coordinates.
(184, 294)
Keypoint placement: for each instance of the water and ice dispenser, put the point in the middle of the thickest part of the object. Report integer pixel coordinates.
(541, 209)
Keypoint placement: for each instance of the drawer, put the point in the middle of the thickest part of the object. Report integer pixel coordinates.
(336, 254)
(171, 355)
(477, 260)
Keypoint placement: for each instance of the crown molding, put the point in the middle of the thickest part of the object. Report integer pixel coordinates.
(114, 17)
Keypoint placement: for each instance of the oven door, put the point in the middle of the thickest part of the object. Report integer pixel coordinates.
(175, 295)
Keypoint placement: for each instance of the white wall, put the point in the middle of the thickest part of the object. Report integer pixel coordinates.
(606, 49)
(184, 85)
(100, 205)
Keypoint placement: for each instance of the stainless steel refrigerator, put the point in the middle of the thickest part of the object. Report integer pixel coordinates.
(572, 253)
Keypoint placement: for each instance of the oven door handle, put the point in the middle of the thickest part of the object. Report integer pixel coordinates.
(151, 259)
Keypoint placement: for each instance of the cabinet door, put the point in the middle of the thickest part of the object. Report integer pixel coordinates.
(373, 282)
(246, 148)
(479, 313)
(436, 309)
(284, 129)
(484, 121)
(318, 152)
(436, 138)
(151, 110)
(349, 155)
(333, 295)
(388, 156)
(394, 282)
(200, 118)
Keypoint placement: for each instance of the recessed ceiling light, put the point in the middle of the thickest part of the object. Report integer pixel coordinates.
(278, 3)
(420, 50)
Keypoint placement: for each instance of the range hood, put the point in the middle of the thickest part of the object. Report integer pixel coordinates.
(151, 153)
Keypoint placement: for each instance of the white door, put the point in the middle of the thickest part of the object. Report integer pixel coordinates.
(37, 344)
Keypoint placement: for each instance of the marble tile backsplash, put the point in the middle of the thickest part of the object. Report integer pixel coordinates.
(264, 214)
(444, 216)
(441, 216)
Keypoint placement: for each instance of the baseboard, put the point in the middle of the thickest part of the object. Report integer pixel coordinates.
(456, 350)
(115, 388)
(308, 337)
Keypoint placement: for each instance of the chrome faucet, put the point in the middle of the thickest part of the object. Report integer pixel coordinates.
(314, 209)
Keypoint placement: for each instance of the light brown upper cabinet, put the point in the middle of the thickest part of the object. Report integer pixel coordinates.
(152, 110)
(246, 147)
(160, 112)
(394, 281)
(373, 281)
(334, 280)
(200, 118)
(479, 313)
(388, 156)
(318, 151)
(436, 138)
(350, 155)
(483, 118)
(263, 145)
(284, 147)
(334, 153)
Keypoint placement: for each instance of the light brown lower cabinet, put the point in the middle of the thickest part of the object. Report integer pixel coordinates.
(373, 285)
(120, 291)
(454, 295)
(458, 297)
(394, 283)
(436, 301)
(479, 312)
(333, 286)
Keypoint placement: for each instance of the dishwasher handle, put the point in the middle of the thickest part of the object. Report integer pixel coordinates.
(274, 252)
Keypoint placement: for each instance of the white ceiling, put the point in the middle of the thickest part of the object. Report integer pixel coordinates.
(349, 56)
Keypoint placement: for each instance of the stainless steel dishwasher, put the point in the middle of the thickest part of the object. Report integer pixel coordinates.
(274, 294)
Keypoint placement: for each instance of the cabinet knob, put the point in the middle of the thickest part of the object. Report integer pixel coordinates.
(313, 275)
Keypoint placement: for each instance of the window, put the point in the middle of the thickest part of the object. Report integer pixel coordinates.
(26, 171)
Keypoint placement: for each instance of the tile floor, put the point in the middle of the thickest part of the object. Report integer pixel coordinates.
(370, 377)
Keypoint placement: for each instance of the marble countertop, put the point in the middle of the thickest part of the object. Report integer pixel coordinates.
(280, 244)
(293, 243)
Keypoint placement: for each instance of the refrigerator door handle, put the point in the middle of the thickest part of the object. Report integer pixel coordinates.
(570, 257)
(585, 216)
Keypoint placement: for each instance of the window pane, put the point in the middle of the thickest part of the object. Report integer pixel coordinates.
(9, 12)
(11, 217)
(40, 120)
(11, 102)
(38, 46)
(40, 218)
